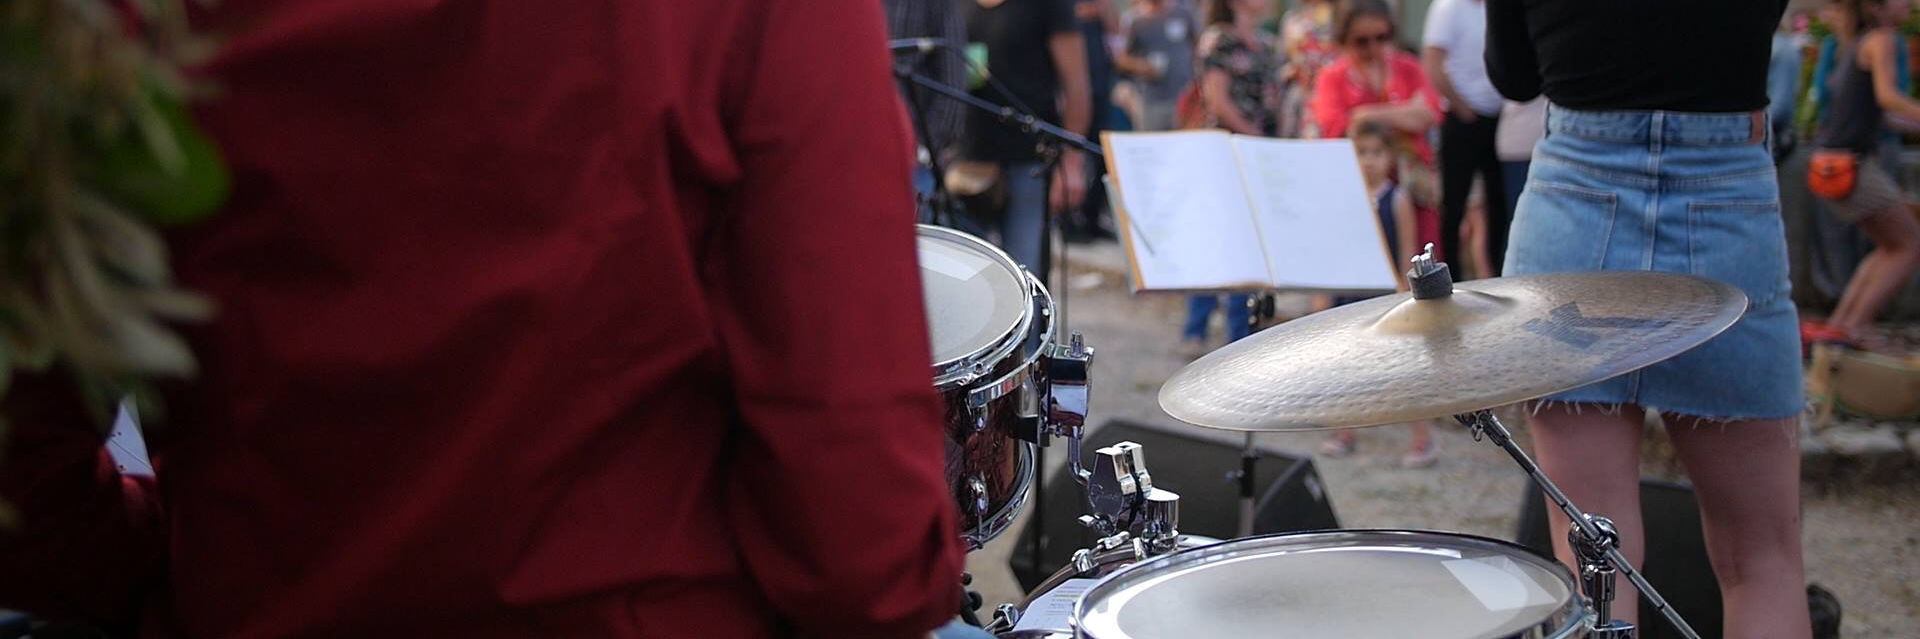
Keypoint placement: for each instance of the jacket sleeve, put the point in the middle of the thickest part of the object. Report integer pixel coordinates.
(837, 492)
(87, 545)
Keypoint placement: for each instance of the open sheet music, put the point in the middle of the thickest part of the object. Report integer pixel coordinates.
(1210, 210)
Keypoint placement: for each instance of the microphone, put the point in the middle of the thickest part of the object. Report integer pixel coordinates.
(919, 45)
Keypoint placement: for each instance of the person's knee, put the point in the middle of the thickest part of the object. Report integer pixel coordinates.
(1755, 549)
(1898, 233)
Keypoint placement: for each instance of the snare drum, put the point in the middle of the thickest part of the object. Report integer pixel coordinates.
(1350, 584)
(991, 326)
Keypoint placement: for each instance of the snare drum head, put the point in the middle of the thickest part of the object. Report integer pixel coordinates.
(1338, 584)
(975, 295)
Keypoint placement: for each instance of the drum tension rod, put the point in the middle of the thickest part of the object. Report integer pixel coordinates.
(1593, 539)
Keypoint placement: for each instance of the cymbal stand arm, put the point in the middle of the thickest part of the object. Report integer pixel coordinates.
(1589, 534)
(1249, 457)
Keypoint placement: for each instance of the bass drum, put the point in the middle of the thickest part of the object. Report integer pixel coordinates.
(990, 324)
(1358, 583)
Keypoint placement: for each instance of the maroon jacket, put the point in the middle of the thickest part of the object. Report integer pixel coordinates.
(587, 318)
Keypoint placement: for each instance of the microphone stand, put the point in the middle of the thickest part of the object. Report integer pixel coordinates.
(1027, 122)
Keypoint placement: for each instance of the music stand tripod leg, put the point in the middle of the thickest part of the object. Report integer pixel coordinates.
(1592, 538)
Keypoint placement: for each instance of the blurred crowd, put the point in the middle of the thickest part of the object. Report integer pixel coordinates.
(1444, 154)
(1299, 69)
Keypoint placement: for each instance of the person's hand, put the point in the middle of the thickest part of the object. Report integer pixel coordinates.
(1358, 118)
(1069, 186)
(1464, 114)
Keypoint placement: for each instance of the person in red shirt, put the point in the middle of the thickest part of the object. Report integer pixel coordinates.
(577, 319)
(1372, 81)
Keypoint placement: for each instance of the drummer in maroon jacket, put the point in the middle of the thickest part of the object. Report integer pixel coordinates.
(536, 320)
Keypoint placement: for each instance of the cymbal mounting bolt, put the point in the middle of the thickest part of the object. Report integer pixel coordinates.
(1430, 278)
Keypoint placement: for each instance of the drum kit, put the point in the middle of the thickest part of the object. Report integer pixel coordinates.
(1443, 350)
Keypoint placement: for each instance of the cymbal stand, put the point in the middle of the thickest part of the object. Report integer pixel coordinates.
(1593, 539)
(1249, 458)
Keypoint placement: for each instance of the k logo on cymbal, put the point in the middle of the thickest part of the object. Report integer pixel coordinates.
(1568, 326)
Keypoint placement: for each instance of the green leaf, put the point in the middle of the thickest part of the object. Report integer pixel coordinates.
(167, 195)
(124, 246)
(157, 133)
(151, 349)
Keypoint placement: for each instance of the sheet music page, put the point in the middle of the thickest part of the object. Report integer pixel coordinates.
(1053, 611)
(125, 444)
(1185, 211)
(1314, 214)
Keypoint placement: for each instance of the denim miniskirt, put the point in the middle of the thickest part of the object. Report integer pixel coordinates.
(1677, 192)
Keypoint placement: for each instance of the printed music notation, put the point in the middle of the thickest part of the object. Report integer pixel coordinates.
(1232, 212)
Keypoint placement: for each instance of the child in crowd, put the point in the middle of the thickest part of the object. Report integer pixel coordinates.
(1379, 163)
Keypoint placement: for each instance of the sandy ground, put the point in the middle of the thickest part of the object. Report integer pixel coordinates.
(1861, 541)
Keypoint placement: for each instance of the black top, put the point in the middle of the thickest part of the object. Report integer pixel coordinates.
(931, 19)
(1854, 114)
(1016, 34)
(1705, 56)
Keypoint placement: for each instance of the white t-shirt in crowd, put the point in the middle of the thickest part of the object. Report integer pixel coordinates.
(1522, 124)
(1460, 27)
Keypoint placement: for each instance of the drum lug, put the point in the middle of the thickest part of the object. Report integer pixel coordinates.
(981, 501)
(1162, 521)
(1005, 617)
(1082, 561)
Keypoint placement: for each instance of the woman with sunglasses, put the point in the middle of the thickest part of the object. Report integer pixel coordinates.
(1656, 158)
(1374, 82)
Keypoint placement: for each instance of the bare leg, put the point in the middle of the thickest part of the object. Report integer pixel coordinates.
(1747, 476)
(1593, 453)
(1422, 435)
(1884, 272)
(1851, 312)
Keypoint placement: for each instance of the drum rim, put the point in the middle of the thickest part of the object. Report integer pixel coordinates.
(979, 362)
(1002, 519)
(1571, 616)
(1121, 557)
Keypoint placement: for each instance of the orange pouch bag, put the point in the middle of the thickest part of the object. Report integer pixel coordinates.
(1831, 174)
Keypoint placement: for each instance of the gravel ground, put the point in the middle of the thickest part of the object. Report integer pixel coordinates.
(1861, 541)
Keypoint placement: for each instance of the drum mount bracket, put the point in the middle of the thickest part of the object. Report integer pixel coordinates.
(1066, 370)
(1124, 506)
(1597, 573)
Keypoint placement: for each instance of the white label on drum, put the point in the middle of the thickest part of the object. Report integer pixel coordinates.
(1498, 583)
(955, 266)
(1054, 611)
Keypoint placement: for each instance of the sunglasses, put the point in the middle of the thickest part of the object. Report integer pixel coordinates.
(1370, 40)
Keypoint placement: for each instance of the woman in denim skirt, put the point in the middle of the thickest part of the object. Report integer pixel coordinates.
(1656, 158)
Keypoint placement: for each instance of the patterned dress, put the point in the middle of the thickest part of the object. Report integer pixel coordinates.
(1253, 74)
(1306, 35)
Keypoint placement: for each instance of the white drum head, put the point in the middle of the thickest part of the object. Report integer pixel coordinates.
(976, 296)
(1347, 584)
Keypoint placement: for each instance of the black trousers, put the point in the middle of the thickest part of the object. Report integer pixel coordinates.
(1466, 150)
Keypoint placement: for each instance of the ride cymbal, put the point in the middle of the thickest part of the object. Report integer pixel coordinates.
(1492, 342)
